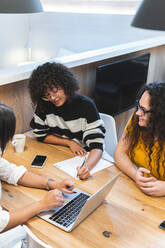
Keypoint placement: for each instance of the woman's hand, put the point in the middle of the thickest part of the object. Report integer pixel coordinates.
(149, 185)
(83, 172)
(154, 188)
(140, 179)
(66, 186)
(77, 149)
(53, 199)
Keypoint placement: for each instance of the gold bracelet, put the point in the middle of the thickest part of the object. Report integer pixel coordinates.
(48, 185)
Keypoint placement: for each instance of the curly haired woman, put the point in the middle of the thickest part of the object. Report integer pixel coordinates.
(143, 141)
(64, 117)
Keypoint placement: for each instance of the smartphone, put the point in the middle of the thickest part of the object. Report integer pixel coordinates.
(162, 225)
(38, 161)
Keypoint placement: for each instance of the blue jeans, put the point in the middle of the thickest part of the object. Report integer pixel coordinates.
(9, 238)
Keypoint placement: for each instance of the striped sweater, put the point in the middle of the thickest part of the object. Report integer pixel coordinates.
(77, 119)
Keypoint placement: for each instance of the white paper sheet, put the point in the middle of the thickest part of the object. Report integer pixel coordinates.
(69, 165)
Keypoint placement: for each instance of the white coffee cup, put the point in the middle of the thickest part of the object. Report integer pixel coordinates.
(19, 142)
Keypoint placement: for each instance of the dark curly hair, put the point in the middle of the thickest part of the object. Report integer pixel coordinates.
(48, 76)
(156, 125)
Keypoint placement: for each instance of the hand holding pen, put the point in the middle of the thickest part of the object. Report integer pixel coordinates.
(83, 162)
(83, 171)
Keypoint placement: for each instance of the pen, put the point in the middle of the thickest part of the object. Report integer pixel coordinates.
(83, 162)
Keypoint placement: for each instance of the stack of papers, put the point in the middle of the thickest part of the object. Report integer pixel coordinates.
(70, 165)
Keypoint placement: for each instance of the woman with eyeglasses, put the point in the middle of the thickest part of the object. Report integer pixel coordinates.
(143, 142)
(19, 175)
(64, 117)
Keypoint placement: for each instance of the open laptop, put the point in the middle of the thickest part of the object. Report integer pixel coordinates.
(77, 207)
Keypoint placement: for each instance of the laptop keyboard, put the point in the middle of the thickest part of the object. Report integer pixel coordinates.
(67, 214)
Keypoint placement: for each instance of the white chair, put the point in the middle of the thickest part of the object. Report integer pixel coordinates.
(18, 245)
(110, 135)
(12, 238)
(33, 241)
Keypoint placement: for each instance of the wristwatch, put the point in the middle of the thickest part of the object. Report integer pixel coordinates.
(48, 185)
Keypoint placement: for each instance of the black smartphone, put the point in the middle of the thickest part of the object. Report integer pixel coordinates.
(38, 161)
(162, 225)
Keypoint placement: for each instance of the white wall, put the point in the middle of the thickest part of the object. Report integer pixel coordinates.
(74, 32)
(54, 35)
(13, 36)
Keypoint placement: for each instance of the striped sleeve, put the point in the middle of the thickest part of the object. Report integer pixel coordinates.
(40, 129)
(94, 131)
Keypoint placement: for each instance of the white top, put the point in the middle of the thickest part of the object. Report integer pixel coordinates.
(9, 173)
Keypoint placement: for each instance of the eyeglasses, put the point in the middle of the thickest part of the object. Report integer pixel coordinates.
(52, 94)
(143, 110)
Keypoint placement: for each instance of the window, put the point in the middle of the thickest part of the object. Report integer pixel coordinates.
(92, 6)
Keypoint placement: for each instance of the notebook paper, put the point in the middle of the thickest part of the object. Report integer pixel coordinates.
(69, 165)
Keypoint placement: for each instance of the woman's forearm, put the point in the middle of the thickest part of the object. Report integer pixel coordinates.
(122, 160)
(124, 163)
(93, 157)
(53, 139)
(29, 179)
(53, 199)
(20, 216)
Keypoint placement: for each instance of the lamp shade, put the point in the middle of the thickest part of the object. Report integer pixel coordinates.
(20, 6)
(150, 15)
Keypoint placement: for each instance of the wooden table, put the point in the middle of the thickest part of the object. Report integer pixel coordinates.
(130, 216)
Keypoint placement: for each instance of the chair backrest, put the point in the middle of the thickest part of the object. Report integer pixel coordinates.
(33, 241)
(110, 135)
(17, 245)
